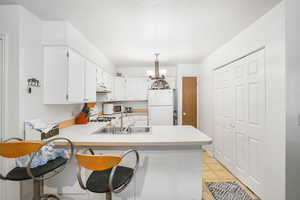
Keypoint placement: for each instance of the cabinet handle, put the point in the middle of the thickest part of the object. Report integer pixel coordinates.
(184, 114)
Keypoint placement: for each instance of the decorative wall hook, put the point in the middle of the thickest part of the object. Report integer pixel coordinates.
(32, 82)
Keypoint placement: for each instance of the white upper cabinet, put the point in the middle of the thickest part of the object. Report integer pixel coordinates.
(120, 88)
(99, 76)
(136, 88)
(90, 81)
(76, 79)
(68, 77)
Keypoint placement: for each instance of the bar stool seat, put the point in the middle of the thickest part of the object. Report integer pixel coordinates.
(20, 173)
(98, 181)
(16, 147)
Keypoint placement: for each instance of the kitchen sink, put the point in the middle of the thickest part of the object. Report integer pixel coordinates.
(125, 130)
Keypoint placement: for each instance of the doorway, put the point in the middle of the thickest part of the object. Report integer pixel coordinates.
(189, 101)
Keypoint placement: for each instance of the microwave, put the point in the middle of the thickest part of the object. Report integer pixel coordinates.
(117, 108)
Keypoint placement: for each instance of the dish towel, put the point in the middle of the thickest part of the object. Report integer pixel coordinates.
(40, 125)
(44, 155)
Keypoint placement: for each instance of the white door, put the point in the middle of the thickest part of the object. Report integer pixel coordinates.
(90, 82)
(76, 82)
(249, 122)
(240, 118)
(224, 116)
(2, 191)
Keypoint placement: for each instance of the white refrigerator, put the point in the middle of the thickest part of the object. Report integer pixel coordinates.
(160, 107)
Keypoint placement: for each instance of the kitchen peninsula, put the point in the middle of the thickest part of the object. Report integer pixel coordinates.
(170, 166)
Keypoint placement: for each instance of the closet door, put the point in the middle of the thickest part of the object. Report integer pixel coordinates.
(224, 117)
(239, 120)
(249, 123)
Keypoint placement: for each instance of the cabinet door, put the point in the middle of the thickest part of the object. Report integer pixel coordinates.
(131, 89)
(90, 82)
(110, 86)
(76, 79)
(99, 76)
(136, 88)
(142, 88)
(105, 79)
(120, 88)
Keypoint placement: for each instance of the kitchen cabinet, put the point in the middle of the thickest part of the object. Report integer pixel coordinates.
(99, 75)
(76, 79)
(119, 88)
(136, 88)
(90, 81)
(69, 77)
(108, 81)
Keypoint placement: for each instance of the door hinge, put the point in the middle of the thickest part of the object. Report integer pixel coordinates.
(67, 97)
(68, 55)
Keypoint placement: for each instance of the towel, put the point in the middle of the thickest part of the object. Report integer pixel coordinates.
(44, 155)
(40, 125)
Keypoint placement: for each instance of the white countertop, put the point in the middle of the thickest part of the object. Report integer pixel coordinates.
(83, 135)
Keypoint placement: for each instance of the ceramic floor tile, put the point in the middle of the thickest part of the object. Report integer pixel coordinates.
(214, 171)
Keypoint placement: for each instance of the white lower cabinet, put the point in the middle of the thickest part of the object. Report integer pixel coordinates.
(68, 77)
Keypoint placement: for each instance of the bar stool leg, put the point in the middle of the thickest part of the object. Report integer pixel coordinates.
(108, 196)
(36, 190)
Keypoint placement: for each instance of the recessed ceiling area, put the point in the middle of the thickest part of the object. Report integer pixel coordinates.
(128, 32)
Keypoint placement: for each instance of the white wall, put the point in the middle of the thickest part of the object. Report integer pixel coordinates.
(64, 33)
(182, 71)
(9, 25)
(25, 60)
(293, 99)
(31, 66)
(266, 32)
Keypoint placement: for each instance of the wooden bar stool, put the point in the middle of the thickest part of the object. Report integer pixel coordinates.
(16, 147)
(107, 175)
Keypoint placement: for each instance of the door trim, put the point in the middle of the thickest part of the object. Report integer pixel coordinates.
(3, 69)
(179, 97)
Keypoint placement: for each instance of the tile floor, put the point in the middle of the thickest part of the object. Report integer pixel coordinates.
(214, 171)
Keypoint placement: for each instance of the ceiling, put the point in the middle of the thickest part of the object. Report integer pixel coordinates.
(128, 32)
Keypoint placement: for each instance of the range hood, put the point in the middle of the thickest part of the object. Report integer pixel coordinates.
(159, 81)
